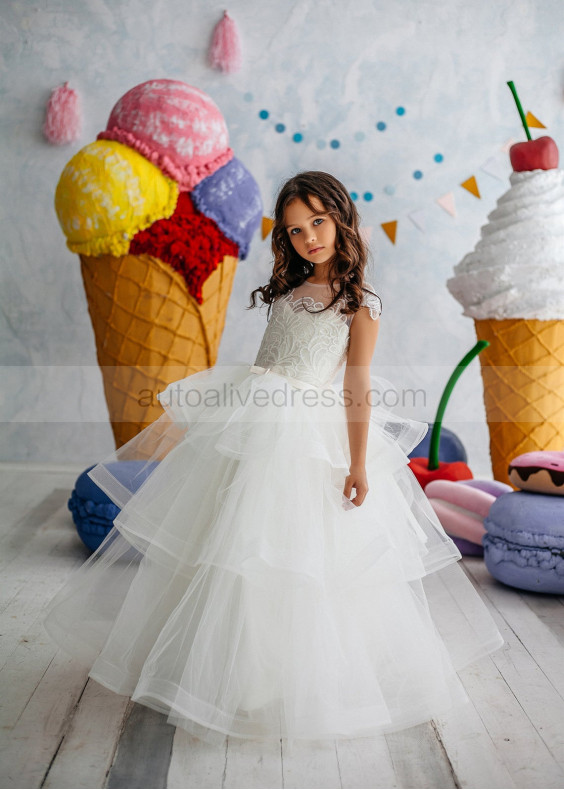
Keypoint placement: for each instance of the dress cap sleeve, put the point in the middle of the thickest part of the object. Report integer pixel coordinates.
(372, 301)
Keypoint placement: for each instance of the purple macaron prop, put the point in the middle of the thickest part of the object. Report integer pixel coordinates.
(524, 543)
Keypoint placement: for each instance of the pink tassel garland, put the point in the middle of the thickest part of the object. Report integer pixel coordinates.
(63, 119)
(225, 50)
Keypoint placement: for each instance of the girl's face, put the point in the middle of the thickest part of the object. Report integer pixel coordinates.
(313, 233)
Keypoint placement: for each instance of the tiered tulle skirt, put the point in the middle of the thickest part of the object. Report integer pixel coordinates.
(237, 595)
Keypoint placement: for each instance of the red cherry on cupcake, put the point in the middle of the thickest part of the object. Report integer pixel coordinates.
(539, 154)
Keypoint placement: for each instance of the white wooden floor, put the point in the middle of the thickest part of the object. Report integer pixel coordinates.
(62, 730)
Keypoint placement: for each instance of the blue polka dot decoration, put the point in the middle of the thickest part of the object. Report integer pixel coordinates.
(381, 126)
(264, 114)
(335, 144)
(438, 158)
(418, 175)
(368, 196)
(359, 136)
(354, 195)
(400, 110)
(280, 128)
(390, 190)
(298, 137)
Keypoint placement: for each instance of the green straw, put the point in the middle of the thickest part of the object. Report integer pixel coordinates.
(436, 432)
(521, 113)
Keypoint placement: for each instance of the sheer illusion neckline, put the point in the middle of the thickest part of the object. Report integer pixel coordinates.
(317, 285)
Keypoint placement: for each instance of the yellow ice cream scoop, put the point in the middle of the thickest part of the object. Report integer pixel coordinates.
(106, 194)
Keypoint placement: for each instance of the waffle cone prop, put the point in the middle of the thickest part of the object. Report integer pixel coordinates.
(150, 331)
(523, 375)
(159, 211)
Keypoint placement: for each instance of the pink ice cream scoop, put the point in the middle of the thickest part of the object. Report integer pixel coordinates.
(175, 126)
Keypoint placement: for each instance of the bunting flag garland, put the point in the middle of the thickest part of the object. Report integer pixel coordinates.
(495, 168)
(534, 122)
(507, 145)
(266, 226)
(471, 185)
(390, 229)
(418, 219)
(446, 202)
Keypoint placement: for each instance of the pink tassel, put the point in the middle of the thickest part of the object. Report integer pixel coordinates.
(63, 119)
(225, 50)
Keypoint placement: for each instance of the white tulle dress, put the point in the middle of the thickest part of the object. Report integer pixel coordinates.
(237, 594)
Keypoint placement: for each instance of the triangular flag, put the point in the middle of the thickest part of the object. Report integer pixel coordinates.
(418, 219)
(507, 144)
(266, 227)
(366, 234)
(390, 229)
(471, 185)
(534, 122)
(495, 168)
(446, 202)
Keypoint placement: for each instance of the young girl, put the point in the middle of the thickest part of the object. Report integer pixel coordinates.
(243, 589)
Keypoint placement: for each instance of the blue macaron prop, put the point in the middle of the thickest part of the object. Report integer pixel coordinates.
(93, 512)
(451, 448)
(524, 542)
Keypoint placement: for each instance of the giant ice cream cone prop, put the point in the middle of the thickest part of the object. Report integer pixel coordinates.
(159, 233)
(523, 375)
(511, 284)
(168, 336)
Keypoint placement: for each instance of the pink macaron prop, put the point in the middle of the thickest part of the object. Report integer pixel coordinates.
(461, 509)
(541, 471)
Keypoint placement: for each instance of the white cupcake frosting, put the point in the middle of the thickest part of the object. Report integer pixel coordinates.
(516, 269)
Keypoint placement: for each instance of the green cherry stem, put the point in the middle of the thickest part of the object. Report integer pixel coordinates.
(521, 113)
(437, 425)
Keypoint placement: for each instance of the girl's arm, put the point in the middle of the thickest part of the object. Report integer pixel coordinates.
(356, 385)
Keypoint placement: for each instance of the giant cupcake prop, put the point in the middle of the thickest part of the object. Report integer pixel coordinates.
(159, 211)
(512, 286)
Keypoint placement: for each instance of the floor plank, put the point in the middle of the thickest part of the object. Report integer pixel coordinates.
(471, 751)
(39, 730)
(365, 762)
(253, 764)
(419, 758)
(87, 751)
(535, 634)
(143, 754)
(195, 763)
(311, 764)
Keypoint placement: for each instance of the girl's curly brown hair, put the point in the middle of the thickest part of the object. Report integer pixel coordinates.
(351, 253)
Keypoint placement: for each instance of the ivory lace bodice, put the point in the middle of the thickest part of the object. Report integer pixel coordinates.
(306, 345)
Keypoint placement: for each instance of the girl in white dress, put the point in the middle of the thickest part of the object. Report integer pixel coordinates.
(275, 570)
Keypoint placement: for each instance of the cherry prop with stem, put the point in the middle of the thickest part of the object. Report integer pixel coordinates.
(427, 469)
(539, 154)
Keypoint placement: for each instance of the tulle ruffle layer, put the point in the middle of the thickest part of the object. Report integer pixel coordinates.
(237, 595)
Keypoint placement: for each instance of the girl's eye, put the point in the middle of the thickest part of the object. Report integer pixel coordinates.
(318, 221)
(294, 231)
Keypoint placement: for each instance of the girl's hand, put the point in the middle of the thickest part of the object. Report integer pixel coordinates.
(356, 479)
